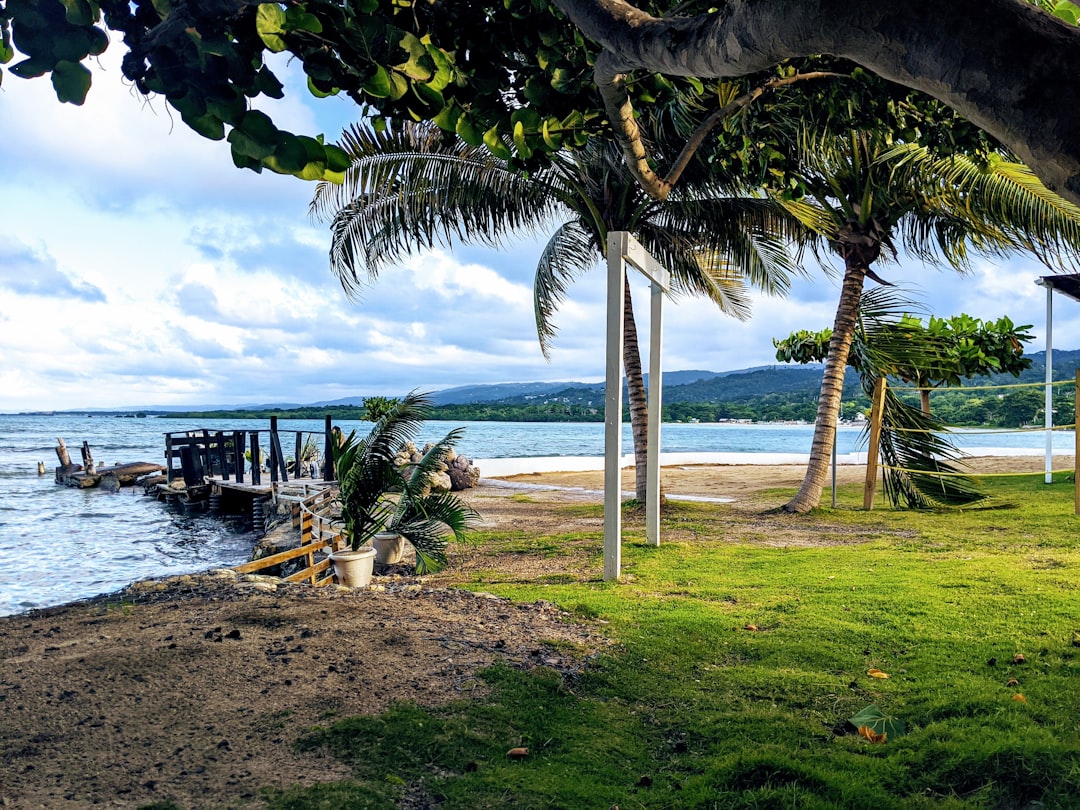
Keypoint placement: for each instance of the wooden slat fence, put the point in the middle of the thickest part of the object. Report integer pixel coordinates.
(311, 514)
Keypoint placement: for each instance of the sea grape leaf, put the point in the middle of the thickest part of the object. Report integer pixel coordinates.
(877, 673)
(71, 80)
(879, 723)
(379, 84)
(78, 12)
(467, 132)
(495, 144)
(270, 25)
(30, 68)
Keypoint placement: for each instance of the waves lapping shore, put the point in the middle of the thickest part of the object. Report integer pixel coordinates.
(119, 538)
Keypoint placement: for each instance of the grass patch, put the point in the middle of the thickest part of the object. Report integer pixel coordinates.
(745, 644)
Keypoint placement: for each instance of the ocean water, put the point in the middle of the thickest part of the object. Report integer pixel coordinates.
(117, 538)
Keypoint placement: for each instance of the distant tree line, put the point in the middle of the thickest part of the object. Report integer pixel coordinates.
(764, 395)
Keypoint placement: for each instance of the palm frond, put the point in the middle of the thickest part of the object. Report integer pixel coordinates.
(412, 187)
(916, 453)
(919, 461)
(570, 251)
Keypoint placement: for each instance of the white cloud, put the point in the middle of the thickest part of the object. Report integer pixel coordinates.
(139, 267)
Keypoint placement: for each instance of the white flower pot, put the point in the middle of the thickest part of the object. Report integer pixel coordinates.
(353, 568)
(389, 548)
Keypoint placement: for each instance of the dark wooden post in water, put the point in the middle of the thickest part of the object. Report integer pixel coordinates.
(168, 458)
(66, 467)
(275, 450)
(222, 457)
(328, 452)
(256, 467)
(87, 458)
(204, 451)
(191, 464)
(239, 438)
(277, 458)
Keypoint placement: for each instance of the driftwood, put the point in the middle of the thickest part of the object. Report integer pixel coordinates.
(87, 459)
(65, 460)
(125, 474)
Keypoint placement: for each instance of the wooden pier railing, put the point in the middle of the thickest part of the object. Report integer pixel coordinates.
(318, 537)
(221, 453)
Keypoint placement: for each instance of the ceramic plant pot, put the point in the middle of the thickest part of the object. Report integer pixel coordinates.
(389, 548)
(353, 568)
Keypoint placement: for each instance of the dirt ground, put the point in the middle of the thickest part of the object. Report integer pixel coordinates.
(194, 689)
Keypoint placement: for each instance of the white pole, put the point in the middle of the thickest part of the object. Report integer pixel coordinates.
(613, 411)
(652, 472)
(1048, 417)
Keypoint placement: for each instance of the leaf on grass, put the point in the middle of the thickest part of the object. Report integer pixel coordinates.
(1019, 659)
(517, 753)
(753, 628)
(1012, 682)
(1019, 698)
(871, 735)
(877, 673)
(881, 724)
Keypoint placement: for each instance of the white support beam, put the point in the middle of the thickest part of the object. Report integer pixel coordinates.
(633, 252)
(652, 474)
(616, 280)
(1048, 419)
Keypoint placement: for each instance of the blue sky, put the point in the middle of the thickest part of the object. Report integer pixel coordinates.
(138, 267)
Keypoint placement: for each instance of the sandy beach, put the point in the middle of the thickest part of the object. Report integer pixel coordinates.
(726, 475)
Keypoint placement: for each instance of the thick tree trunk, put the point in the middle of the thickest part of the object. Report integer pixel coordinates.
(924, 401)
(832, 390)
(1002, 64)
(635, 387)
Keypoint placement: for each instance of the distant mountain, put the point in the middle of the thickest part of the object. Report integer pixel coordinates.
(690, 386)
(503, 392)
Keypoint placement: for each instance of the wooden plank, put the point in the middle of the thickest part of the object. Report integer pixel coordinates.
(308, 573)
(280, 557)
(874, 446)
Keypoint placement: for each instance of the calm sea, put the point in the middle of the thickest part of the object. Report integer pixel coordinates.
(117, 538)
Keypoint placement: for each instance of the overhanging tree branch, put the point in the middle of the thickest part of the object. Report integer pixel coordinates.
(1005, 65)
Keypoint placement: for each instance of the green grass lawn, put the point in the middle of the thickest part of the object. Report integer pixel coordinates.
(739, 662)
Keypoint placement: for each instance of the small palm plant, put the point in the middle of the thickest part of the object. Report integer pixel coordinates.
(376, 495)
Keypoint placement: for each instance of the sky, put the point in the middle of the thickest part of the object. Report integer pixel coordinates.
(138, 267)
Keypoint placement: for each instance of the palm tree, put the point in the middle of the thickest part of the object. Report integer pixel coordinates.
(412, 187)
(867, 194)
(376, 495)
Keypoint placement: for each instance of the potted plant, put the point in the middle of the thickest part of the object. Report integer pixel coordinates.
(378, 497)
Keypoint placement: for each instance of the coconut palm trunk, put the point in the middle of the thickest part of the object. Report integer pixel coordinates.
(832, 387)
(635, 388)
(924, 396)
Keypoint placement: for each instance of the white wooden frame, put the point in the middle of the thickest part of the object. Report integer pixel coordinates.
(624, 249)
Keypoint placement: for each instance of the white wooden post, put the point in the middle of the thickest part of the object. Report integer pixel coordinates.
(1048, 398)
(613, 411)
(622, 249)
(652, 474)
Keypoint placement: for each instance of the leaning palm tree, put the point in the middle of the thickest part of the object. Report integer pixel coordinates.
(868, 194)
(412, 187)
